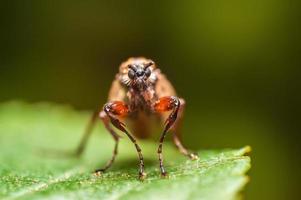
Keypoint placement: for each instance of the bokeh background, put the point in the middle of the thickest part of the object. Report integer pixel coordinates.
(237, 64)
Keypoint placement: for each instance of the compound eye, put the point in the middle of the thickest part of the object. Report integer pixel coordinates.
(131, 74)
(147, 72)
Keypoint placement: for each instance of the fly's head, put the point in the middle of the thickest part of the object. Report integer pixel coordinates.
(138, 73)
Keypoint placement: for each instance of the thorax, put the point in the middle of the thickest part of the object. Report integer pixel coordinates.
(141, 101)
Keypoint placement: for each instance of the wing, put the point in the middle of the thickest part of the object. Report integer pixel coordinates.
(117, 92)
(163, 86)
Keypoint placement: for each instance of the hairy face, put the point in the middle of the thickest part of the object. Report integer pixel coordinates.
(137, 73)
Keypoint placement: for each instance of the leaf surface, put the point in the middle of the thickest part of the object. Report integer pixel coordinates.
(28, 172)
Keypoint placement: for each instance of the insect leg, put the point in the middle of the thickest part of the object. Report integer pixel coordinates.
(106, 120)
(169, 103)
(176, 133)
(119, 109)
(87, 134)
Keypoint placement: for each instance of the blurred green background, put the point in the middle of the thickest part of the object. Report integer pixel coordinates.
(236, 63)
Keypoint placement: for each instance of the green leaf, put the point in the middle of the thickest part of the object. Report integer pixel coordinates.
(26, 172)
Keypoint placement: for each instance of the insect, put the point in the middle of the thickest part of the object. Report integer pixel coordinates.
(139, 93)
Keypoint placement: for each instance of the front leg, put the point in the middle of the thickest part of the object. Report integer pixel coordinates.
(169, 103)
(176, 133)
(119, 109)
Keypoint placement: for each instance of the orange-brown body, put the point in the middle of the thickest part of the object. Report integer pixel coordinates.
(140, 97)
(142, 122)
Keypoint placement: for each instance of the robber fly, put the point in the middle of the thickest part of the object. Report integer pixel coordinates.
(140, 92)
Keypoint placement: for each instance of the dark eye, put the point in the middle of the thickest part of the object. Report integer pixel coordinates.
(131, 74)
(147, 72)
